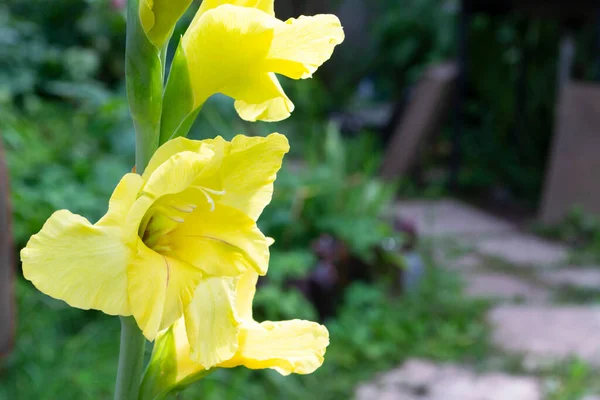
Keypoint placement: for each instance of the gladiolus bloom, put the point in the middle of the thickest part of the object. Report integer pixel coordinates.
(236, 47)
(169, 236)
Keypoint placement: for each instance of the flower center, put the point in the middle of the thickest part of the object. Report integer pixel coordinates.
(168, 213)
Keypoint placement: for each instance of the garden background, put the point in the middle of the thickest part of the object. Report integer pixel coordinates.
(340, 248)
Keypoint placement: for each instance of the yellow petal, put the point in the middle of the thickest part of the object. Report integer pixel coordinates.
(288, 346)
(211, 323)
(260, 98)
(302, 45)
(158, 18)
(225, 47)
(249, 170)
(121, 201)
(263, 5)
(160, 288)
(222, 242)
(245, 168)
(168, 150)
(245, 290)
(177, 173)
(82, 264)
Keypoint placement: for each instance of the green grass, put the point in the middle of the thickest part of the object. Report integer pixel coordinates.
(60, 352)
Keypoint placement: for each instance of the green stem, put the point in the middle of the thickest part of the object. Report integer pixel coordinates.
(131, 360)
(144, 81)
(145, 147)
(144, 72)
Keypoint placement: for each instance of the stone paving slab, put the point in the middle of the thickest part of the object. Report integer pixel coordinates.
(591, 397)
(425, 380)
(468, 262)
(521, 249)
(546, 334)
(500, 286)
(464, 263)
(587, 278)
(449, 217)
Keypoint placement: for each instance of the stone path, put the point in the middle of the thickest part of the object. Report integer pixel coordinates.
(424, 380)
(585, 278)
(449, 217)
(527, 278)
(525, 250)
(548, 333)
(502, 286)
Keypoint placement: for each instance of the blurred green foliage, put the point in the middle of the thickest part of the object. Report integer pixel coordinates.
(576, 378)
(411, 35)
(63, 157)
(580, 230)
(336, 191)
(65, 42)
(506, 146)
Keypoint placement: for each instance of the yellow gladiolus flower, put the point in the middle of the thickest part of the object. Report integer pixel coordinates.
(236, 47)
(169, 236)
(294, 346)
(158, 18)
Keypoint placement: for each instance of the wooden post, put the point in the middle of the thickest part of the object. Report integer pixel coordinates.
(7, 306)
(420, 120)
(574, 165)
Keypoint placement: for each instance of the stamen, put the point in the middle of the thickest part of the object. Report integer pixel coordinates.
(212, 191)
(183, 209)
(209, 199)
(175, 219)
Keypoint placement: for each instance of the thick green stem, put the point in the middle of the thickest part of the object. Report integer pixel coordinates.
(144, 73)
(131, 360)
(145, 146)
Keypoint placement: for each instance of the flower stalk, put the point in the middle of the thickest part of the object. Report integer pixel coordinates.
(145, 66)
(179, 252)
(144, 71)
(131, 360)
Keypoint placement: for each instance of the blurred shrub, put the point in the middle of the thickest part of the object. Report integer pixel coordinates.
(336, 192)
(60, 352)
(410, 35)
(506, 146)
(63, 157)
(80, 41)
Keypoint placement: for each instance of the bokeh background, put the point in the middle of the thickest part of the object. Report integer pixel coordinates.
(353, 245)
